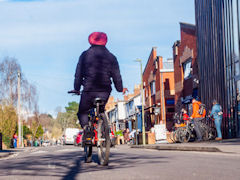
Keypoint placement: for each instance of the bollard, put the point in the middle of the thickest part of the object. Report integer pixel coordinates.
(0, 141)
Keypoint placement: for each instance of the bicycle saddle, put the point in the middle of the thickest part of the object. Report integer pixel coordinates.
(99, 101)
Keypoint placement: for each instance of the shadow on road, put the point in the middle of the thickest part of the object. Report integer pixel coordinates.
(67, 165)
(74, 170)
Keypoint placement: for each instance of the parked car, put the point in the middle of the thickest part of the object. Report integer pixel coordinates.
(78, 138)
(69, 134)
(46, 143)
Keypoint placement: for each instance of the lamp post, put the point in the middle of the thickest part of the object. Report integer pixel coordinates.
(19, 111)
(143, 122)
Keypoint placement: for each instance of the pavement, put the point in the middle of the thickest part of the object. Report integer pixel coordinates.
(9, 152)
(225, 146)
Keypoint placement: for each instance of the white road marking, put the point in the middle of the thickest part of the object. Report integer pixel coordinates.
(70, 150)
(38, 152)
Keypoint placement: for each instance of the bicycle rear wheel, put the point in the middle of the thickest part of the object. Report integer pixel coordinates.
(212, 134)
(184, 135)
(88, 153)
(103, 144)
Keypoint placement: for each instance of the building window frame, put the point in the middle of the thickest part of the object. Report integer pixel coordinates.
(153, 88)
(187, 69)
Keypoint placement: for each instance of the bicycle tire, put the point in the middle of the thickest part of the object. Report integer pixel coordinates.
(185, 135)
(88, 153)
(104, 143)
(177, 135)
(212, 134)
(172, 137)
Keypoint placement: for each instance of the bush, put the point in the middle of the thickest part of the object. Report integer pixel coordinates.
(7, 141)
(8, 121)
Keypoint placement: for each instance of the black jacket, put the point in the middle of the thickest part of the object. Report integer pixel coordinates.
(94, 71)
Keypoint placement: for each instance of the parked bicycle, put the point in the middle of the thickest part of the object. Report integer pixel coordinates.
(98, 124)
(208, 130)
(186, 133)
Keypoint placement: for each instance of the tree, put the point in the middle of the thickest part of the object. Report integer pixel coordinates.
(9, 69)
(8, 122)
(45, 120)
(26, 131)
(39, 132)
(69, 118)
(34, 123)
(8, 74)
(71, 111)
(72, 107)
(56, 130)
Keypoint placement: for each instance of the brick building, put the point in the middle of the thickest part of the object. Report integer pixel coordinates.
(122, 113)
(185, 66)
(158, 79)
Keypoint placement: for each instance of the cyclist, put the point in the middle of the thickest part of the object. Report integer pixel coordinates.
(95, 68)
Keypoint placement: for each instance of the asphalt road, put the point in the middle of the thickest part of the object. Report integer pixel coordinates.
(67, 162)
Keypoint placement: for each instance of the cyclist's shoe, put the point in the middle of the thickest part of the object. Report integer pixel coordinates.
(87, 136)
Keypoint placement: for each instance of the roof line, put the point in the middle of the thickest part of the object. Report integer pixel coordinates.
(149, 58)
(187, 25)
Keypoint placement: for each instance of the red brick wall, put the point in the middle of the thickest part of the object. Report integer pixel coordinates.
(183, 87)
(152, 73)
(149, 69)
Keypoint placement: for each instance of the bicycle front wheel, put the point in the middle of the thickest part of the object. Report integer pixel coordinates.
(103, 144)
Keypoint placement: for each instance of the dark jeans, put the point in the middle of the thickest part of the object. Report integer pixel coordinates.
(86, 103)
(197, 127)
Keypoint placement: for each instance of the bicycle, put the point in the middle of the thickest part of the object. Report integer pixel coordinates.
(209, 132)
(186, 133)
(98, 124)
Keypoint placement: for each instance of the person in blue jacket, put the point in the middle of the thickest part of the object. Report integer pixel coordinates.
(216, 113)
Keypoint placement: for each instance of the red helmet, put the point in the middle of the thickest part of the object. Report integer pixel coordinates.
(97, 38)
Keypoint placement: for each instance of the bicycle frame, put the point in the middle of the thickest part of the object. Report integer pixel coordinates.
(99, 126)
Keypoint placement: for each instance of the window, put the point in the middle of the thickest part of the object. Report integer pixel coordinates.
(170, 110)
(187, 69)
(153, 88)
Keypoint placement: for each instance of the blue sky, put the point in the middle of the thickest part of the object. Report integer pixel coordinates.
(47, 37)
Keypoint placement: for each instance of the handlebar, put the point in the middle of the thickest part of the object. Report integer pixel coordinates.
(74, 92)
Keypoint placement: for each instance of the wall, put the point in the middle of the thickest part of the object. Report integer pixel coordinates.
(184, 50)
(163, 87)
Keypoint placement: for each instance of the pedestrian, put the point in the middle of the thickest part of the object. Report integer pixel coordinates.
(15, 140)
(217, 113)
(126, 136)
(197, 117)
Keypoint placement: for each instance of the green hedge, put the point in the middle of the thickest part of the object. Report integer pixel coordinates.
(7, 141)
